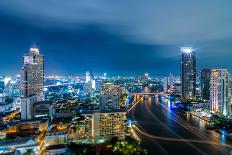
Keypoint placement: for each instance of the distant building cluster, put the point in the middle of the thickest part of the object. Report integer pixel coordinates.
(213, 85)
(41, 113)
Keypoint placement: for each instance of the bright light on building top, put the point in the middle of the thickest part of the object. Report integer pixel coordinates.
(187, 50)
(34, 50)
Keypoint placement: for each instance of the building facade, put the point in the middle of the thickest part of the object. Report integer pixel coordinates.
(27, 103)
(43, 109)
(105, 124)
(90, 83)
(205, 84)
(110, 102)
(112, 89)
(32, 74)
(188, 73)
(220, 91)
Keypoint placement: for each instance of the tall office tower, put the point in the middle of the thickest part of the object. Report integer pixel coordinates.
(229, 101)
(104, 77)
(165, 84)
(2, 86)
(90, 83)
(205, 84)
(32, 82)
(88, 76)
(171, 81)
(32, 74)
(220, 91)
(198, 84)
(188, 73)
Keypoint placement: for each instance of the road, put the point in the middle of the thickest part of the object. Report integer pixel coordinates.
(164, 132)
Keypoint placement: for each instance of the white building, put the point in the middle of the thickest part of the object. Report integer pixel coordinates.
(27, 107)
(90, 83)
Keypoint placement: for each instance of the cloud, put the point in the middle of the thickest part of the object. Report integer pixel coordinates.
(109, 35)
(151, 21)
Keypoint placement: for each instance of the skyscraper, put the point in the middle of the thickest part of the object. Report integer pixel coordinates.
(32, 74)
(220, 91)
(32, 82)
(171, 82)
(165, 84)
(188, 73)
(205, 84)
(198, 84)
(90, 83)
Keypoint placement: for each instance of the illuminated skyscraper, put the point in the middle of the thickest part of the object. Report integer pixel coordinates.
(90, 83)
(32, 74)
(32, 82)
(88, 76)
(220, 91)
(165, 84)
(171, 81)
(188, 73)
(205, 84)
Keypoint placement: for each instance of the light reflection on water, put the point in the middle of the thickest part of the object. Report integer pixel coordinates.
(223, 138)
(198, 122)
(195, 122)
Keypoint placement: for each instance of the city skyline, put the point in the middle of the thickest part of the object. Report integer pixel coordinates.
(119, 45)
(116, 77)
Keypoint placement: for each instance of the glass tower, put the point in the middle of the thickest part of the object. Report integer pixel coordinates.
(32, 74)
(205, 84)
(188, 73)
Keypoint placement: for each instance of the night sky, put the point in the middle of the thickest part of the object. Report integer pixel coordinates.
(118, 37)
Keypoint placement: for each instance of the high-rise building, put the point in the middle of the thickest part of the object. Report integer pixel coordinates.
(188, 73)
(32, 74)
(2, 86)
(27, 107)
(165, 84)
(88, 76)
(171, 81)
(90, 83)
(32, 82)
(220, 91)
(104, 76)
(115, 100)
(110, 101)
(112, 89)
(205, 84)
(198, 84)
(105, 124)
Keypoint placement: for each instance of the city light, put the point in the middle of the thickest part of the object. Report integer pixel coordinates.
(114, 79)
(34, 50)
(187, 50)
